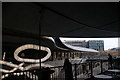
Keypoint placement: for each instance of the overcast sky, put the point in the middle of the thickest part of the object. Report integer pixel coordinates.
(108, 42)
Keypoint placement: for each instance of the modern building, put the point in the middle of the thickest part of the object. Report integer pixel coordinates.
(93, 44)
(114, 49)
(96, 44)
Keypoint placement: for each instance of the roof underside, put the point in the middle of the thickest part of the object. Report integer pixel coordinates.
(63, 19)
(25, 22)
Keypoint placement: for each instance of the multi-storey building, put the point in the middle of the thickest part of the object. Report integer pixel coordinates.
(96, 44)
(114, 49)
(93, 44)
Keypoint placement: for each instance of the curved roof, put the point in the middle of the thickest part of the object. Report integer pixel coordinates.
(81, 48)
(59, 44)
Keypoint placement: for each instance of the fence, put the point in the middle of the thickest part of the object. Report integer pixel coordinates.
(21, 75)
(80, 71)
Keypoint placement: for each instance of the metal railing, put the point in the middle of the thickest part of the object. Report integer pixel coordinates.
(80, 71)
(20, 75)
(59, 73)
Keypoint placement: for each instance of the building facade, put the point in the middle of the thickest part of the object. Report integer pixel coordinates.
(96, 44)
(93, 44)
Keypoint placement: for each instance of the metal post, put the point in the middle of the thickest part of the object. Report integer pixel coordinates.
(75, 71)
(41, 17)
(101, 66)
(91, 68)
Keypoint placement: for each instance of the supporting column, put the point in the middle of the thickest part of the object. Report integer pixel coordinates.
(69, 54)
(62, 55)
(55, 56)
(73, 55)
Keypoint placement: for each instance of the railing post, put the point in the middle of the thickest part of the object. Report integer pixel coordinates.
(91, 68)
(101, 66)
(75, 71)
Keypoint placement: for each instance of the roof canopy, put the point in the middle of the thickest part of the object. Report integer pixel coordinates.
(63, 19)
(25, 22)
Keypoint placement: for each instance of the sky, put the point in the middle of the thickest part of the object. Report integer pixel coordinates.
(108, 42)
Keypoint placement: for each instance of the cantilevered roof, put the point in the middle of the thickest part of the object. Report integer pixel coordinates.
(26, 22)
(62, 46)
(64, 19)
(81, 48)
